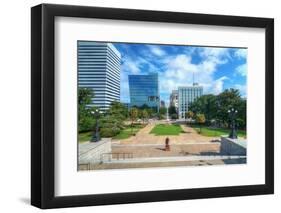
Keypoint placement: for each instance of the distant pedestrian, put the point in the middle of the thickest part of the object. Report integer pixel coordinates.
(167, 144)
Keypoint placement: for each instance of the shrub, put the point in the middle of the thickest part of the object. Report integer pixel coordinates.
(109, 132)
(86, 124)
(174, 116)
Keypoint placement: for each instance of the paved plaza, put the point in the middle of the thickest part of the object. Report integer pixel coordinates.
(148, 150)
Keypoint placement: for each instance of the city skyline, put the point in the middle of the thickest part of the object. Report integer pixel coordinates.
(140, 132)
(215, 69)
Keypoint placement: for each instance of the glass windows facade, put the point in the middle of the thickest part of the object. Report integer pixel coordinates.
(144, 90)
(186, 95)
(99, 66)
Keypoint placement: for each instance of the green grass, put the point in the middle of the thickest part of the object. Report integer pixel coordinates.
(166, 129)
(128, 131)
(125, 133)
(84, 136)
(217, 132)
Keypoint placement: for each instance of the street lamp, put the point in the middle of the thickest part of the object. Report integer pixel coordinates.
(232, 115)
(96, 134)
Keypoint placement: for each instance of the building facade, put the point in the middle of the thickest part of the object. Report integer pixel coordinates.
(144, 90)
(99, 66)
(174, 99)
(186, 95)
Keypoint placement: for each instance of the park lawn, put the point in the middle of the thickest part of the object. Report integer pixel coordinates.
(167, 129)
(84, 136)
(125, 133)
(217, 132)
(128, 131)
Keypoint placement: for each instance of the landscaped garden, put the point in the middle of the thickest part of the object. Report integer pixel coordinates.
(84, 136)
(216, 132)
(167, 129)
(129, 131)
(114, 122)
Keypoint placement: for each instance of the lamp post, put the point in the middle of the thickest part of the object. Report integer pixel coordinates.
(96, 134)
(232, 115)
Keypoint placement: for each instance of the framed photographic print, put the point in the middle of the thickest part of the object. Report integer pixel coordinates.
(140, 106)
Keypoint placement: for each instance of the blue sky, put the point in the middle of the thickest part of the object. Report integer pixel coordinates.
(216, 69)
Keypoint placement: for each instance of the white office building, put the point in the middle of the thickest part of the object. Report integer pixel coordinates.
(186, 95)
(99, 66)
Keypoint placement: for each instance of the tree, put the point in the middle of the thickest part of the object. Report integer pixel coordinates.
(200, 119)
(189, 115)
(133, 116)
(162, 112)
(215, 107)
(85, 96)
(172, 110)
(229, 98)
(174, 116)
(205, 104)
(144, 115)
(112, 121)
(86, 120)
(150, 112)
(118, 110)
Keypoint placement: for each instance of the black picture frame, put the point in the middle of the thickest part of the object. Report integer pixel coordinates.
(43, 102)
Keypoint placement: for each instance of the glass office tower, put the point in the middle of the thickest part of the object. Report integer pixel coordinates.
(186, 95)
(99, 66)
(144, 90)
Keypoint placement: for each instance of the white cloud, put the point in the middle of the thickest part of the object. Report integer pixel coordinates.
(215, 55)
(217, 86)
(241, 53)
(135, 66)
(241, 69)
(156, 50)
(130, 66)
(179, 70)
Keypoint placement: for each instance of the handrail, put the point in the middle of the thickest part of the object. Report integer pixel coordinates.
(119, 155)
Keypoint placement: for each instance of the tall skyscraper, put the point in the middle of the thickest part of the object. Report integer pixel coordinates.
(99, 66)
(186, 95)
(144, 90)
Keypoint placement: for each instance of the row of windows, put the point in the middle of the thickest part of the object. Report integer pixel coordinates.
(99, 69)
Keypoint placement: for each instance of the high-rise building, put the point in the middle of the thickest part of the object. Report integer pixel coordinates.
(99, 66)
(174, 99)
(144, 90)
(186, 95)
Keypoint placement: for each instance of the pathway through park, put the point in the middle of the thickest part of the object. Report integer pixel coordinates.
(144, 137)
(146, 145)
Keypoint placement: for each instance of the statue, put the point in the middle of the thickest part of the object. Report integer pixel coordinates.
(167, 145)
